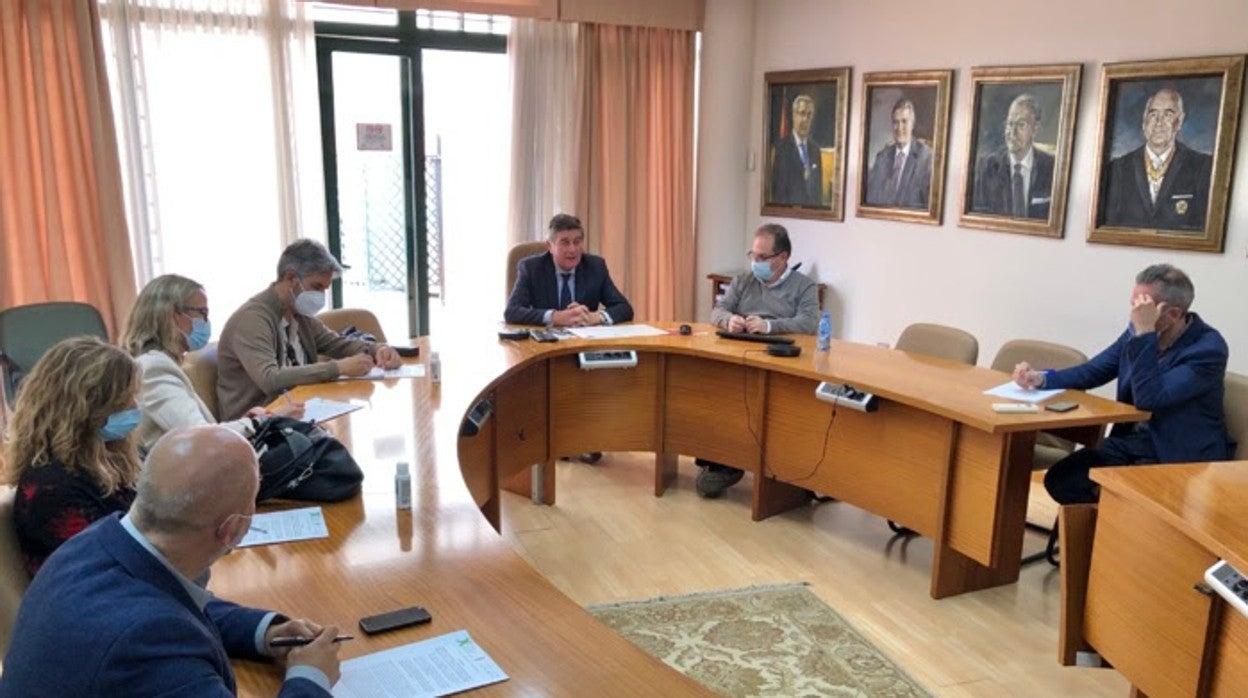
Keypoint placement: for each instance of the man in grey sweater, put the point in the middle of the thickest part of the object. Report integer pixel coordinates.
(771, 298)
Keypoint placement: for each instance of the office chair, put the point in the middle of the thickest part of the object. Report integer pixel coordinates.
(13, 579)
(514, 255)
(361, 319)
(201, 368)
(1235, 405)
(1049, 448)
(27, 331)
(940, 341)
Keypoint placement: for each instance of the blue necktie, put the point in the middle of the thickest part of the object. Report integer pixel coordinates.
(565, 291)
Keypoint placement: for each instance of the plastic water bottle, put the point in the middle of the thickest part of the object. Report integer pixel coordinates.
(435, 367)
(824, 342)
(402, 486)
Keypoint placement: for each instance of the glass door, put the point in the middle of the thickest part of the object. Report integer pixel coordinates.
(374, 192)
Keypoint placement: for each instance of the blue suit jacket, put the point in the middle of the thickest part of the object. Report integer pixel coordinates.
(537, 290)
(1182, 388)
(105, 618)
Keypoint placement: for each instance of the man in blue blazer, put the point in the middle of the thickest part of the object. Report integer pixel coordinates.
(113, 612)
(1168, 362)
(565, 286)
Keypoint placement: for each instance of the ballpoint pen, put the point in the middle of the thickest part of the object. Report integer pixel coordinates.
(295, 641)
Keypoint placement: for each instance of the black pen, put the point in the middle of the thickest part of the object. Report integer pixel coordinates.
(301, 641)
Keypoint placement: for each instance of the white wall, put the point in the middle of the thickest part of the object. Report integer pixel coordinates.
(884, 275)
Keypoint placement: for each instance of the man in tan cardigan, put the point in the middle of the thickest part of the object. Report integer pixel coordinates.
(271, 343)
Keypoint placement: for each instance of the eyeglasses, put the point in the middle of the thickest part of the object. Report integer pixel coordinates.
(761, 257)
(188, 309)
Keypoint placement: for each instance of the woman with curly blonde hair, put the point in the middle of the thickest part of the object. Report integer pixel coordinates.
(69, 452)
(170, 318)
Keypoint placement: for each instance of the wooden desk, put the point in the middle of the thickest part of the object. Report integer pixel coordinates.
(1156, 530)
(935, 458)
(442, 555)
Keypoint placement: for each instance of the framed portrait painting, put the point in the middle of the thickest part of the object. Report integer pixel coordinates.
(1018, 161)
(804, 137)
(1165, 152)
(905, 128)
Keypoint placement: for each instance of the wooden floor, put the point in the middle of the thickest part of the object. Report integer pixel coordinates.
(610, 539)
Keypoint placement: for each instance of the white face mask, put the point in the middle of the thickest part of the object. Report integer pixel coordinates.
(309, 302)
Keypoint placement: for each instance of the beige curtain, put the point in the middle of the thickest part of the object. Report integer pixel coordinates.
(547, 105)
(62, 218)
(639, 165)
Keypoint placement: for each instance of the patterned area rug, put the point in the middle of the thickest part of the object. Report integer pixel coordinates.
(760, 641)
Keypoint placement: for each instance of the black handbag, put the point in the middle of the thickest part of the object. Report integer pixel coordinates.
(299, 460)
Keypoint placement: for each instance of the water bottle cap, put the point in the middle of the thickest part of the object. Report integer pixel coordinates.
(400, 469)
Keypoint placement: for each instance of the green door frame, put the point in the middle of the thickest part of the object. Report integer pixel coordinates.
(404, 41)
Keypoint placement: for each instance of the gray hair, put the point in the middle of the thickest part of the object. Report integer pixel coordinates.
(164, 512)
(1178, 98)
(1031, 102)
(1174, 287)
(561, 222)
(307, 257)
(803, 98)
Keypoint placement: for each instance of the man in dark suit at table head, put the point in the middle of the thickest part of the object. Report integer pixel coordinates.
(117, 601)
(1162, 184)
(565, 286)
(797, 173)
(1168, 362)
(902, 173)
(1016, 180)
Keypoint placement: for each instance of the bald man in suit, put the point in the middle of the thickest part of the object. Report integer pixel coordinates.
(1163, 184)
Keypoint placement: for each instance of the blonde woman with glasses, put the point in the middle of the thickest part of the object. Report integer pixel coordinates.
(70, 452)
(169, 319)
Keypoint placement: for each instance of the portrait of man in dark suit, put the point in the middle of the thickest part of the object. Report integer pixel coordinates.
(802, 164)
(1016, 179)
(797, 174)
(902, 172)
(1164, 183)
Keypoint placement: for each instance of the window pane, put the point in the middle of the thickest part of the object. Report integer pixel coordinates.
(342, 14)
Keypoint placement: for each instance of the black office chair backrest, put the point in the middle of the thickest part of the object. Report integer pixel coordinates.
(27, 331)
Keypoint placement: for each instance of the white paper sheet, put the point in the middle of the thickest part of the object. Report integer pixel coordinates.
(286, 526)
(438, 666)
(377, 374)
(1013, 391)
(616, 331)
(318, 410)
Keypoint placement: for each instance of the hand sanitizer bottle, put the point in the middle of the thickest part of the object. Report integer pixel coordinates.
(402, 486)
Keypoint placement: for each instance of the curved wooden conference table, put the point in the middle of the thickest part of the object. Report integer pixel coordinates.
(934, 458)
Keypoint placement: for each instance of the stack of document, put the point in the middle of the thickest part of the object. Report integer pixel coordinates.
(438, 666)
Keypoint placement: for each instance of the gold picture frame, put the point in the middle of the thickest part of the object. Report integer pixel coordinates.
(1187, 108)
(906, 186)
(804, 174)
(1020, 137)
